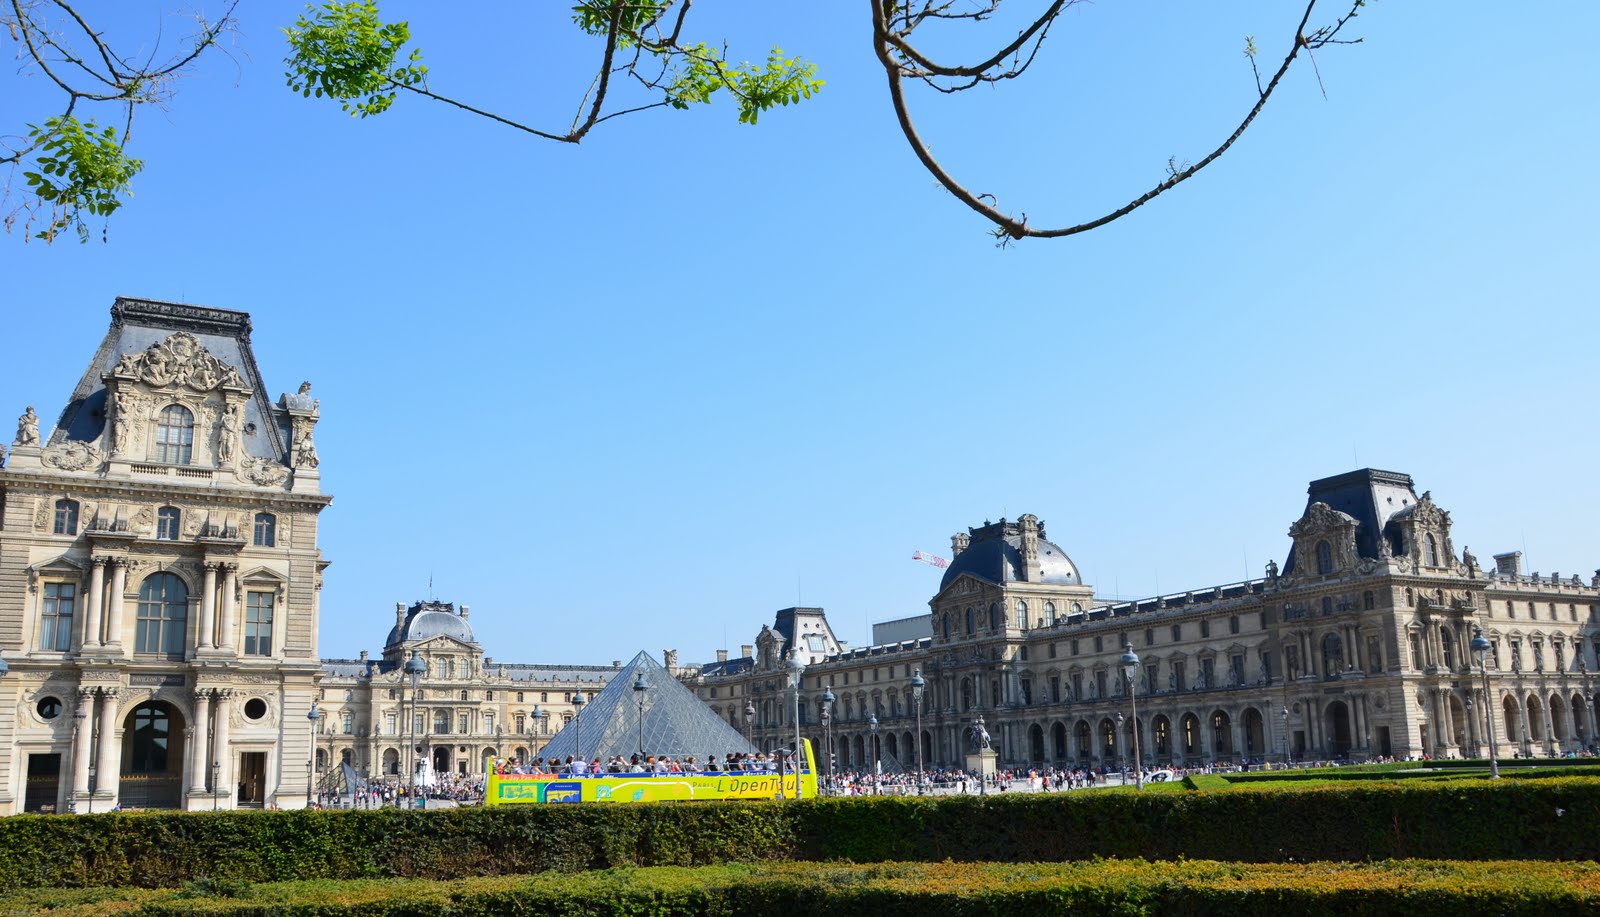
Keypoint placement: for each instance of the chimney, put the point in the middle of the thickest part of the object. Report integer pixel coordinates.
(465, 611)
(1030, 548)
(746, 651)
(363, 655)
(722, 655)
(616, 663)
(399, 614)
(1508, 564)
(958, 543)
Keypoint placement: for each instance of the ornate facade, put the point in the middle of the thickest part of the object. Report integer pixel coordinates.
(462, 709)
(1358, 648)
(159, 577)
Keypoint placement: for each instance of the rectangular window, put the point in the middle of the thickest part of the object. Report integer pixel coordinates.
(349, 723)
(1208, 673)
(1205, 629)
(522, 724)
(1178, 680)
(391, 724)
(441, 722)
(266, 530)
(1099, 644)
(1100, 684)
(1416, 651)
(1052, 651)
(1238, 669)
(168, 523)
(1266, 666)
(1233, 624)
(1077, 686)
(465, 722)
(1074, 647)
(55, 632)
(1149, 636)
(258, 624)
(1055, 688)
(417, 724)
(1177, 632)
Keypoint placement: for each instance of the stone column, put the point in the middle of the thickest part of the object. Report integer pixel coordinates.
(208, 606)
(119, 585)
(229, 607)
(110, 755)
(83, 735)
(224, 753)
(200, 754)
(97, 588)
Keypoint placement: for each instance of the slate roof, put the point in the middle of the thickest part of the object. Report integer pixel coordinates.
(1370, 496)
(995, 555)
(138, 323)
(675, 721)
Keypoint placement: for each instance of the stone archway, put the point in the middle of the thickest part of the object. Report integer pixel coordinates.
(1255, 734)
(152, 756)
(1036, 743)
(1337, 722)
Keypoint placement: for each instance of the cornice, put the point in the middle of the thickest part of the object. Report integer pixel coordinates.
(207, 494)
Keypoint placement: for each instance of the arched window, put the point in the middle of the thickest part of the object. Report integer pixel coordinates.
(1022, 614)
(66, 517)
(1430, 551)
(174, 435)
(169, 520)
(1050, 612)
(163, 615)
(1324, 558)
(995, 616)
(947, 625)
(1077, 609)
(266, 530)
(972, 621)
(151, 741)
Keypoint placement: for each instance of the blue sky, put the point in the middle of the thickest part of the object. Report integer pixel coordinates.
(643, 392)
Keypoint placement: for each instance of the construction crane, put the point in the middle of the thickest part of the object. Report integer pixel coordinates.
(932, 560)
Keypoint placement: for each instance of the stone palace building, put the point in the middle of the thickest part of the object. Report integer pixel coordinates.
(1358, 647)
(159, 577)
(160, 574)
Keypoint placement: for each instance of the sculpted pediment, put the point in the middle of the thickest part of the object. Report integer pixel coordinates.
(179, 361)
(1320, 519)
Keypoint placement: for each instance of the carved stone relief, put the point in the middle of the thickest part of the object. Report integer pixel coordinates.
(264, 472)
(74, 456)
(180, 360)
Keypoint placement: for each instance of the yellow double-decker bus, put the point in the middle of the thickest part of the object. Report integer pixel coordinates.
(514, 789)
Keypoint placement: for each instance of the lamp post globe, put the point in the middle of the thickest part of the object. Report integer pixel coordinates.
(1480, 650)
(640, 685)
(1130, 671)
(917, 684)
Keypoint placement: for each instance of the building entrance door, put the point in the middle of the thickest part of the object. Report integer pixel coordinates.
(252, 779)
(44, 783)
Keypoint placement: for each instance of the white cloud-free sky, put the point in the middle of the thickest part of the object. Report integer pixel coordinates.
(639, 394)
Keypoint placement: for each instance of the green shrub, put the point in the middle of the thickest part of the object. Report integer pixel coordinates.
(1416, 888)
(1259, 823)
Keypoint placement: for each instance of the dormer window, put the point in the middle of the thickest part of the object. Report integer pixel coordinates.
(1430, 554)
(1324, 558)
(168, 520)
(66, 517)
(174, 435)
(266, 530)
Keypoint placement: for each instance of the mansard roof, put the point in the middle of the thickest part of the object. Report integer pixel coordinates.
(137, 325)
(1370, 496)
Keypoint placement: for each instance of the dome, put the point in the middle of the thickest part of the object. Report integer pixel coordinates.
(426, 620)
(995, 554)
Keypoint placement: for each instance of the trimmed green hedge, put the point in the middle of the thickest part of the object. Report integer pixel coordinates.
(1466, 820)
(1416, 888)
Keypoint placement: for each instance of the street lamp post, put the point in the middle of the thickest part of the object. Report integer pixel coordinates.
(827, 732)
(1130, 671)
(216, 777)
(877, 763)
(797, 673)
(982, 736)
(312, 715)
(414, 667)
(578, 700)
(1117, 745)
(1480, 649)
(535, 728)
(1286, 735)
(639, 687)
(917, 684)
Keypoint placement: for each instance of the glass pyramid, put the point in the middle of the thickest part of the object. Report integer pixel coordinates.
(675, 722)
